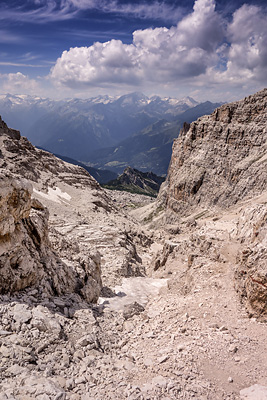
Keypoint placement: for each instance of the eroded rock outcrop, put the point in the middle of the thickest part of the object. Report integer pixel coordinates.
(251, 273)
(26, 256)
(220, 159)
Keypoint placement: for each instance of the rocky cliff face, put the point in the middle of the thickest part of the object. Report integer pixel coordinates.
(219, 165)
(251, 271)
(26, 256)
(220, 159)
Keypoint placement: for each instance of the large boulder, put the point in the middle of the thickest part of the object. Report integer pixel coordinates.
(26, 256)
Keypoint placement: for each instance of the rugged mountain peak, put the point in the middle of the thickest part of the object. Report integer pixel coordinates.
(7, 131)
(136, 181)
(221, 158)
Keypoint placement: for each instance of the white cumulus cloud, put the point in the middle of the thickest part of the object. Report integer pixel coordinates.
(157, 55)
(16, 83)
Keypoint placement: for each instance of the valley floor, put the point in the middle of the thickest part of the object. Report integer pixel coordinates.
(176, 331)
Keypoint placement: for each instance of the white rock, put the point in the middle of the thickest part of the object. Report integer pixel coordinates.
(255, 392)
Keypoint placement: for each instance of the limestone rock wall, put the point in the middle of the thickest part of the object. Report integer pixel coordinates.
(220, 162)
(220, 159)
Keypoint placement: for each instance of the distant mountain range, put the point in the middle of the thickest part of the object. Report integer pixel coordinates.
(104, 132)
(150, 149)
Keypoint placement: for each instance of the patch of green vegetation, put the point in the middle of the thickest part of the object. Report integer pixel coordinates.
(130, 189)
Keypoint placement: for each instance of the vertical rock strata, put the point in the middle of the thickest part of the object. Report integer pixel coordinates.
(221, 159)
(217, 162)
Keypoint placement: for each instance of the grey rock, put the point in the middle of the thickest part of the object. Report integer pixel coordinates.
(22, 313)
(255, 392)
(132, 309)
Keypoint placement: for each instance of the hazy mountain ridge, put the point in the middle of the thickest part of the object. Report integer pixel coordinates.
(79, 128)
(150, 149)
(104, 119)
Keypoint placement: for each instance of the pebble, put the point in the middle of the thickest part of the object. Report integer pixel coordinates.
(162, 359)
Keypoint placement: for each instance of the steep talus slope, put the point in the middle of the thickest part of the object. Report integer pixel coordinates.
(220, 159)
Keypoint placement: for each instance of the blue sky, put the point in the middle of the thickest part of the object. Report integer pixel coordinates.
(206, 49)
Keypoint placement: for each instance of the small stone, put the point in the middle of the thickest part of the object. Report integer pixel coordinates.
(230, 379)
(83, 342)
(65, 360)
(255, 392)
(59, 302)
(5, 333)
(162, 359)
(132, 309)
(223, 329)
(160, 381)
(5, 351)
(78, 355)
(80, 380)
(214, 325)
(232, 348)
(148, 362)
(70, 383)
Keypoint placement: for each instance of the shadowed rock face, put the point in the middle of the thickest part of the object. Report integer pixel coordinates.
(136, 181)
(221, 159)
(26, 256)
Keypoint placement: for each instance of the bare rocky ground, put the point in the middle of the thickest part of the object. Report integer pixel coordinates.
(189, 339)
(183, 289)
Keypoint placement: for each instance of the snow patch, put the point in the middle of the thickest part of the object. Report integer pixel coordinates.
(54, 194)
(133, 289)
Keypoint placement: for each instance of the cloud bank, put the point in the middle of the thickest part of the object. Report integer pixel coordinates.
(202, 49)
(19, 83)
